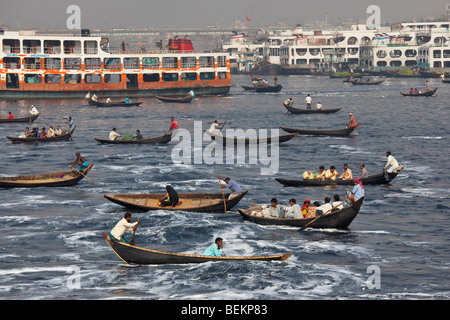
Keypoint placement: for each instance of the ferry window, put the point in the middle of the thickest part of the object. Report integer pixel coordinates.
(436, 53)
(32, 63)
(352, 41)
(11, 46)
(92, 63)
(131, 63)
(188, 62)
(52, 78)
(112, 78)
(72, 63)
(222, 61)
(437, 64)
(411, 53)
(12, 80)
(72, 46)
(150, 63)
(301, 61)
(410, 63)
(381, 54)
(11, 63)
(170, 76)
(90, 47)
(52, 63)
(446, 64)
(188, 76)
(381, 63)
(31, 46)
(207, 75)
(112, 63)
(92, 78)
(206, 62)
(169, 62)
(52, 46)
(446, 53)
(72, 78)
(222, 75)
(33, 78)
(395, 63)
(395, 53)
(151, 77)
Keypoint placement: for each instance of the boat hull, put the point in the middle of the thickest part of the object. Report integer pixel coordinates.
(306, 111)
(165, 138)
(66, 136)
(247, 141)
(330, 132)
(422, 94)
(28, 119)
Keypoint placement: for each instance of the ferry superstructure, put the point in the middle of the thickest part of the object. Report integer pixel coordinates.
(53, 66)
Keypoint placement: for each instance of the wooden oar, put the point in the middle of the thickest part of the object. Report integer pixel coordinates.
(81, 173)
(223, 194)
(223, 126)
(134, 232)
(307, 225)
(68, 128)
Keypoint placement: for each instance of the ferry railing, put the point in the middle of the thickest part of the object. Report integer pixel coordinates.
(92, 66)
(32, 66)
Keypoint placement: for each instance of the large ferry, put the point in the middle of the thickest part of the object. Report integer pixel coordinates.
(55, 66)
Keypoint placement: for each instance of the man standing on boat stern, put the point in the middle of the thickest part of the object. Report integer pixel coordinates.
(123, 225)
(308, 101)
(233, 186)
(391, 164)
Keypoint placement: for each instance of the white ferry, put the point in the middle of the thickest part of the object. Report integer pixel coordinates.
(54, 66)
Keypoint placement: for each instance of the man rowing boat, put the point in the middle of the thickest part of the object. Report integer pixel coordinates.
(123, 225)
(80, 161)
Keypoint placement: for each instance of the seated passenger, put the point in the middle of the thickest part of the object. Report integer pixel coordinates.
(171, 198)
(294, 211)
(305, 207)
(331, 173)
(312, 210)
(275, 210)
(325, 208)
(58, 131)
(43, 133)
(51, 132)
(346, 174)
(337, 203)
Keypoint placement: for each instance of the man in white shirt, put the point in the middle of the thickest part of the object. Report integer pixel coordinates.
(391, 164)
(33, 110)
(113, 135)
(294, 211)
(326, 207)
(275, 209)
(123, 225)
(214, 126)
(319, 106)
(308, 101)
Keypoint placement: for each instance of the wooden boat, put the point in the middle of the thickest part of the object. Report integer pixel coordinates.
(246, 141)
(339, 219)
(54, 179)
(326, 132)
(276, 88)
(375, 179)
(445, 80)
(136, 255)
(361, 82)
(64, 136)
(306, 111)
(165, 138)
(113, 104)
(192, 202)
(29, 119)
(186, 99)
(428, 93)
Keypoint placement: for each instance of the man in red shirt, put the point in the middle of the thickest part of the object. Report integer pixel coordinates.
(10, 115)
(173, 124)
(352, 123)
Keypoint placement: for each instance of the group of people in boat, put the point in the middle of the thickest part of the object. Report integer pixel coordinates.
(50, 133)
(332, 174)
(113, 135)
(259, 82)
(289, 102)
(94, 97)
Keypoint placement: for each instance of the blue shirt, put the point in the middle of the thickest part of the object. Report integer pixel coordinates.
(358, 192)
(213, 250)
(233, 186)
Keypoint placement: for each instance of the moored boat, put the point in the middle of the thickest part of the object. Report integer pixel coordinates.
(165, 138)
(62, 137)
(306, 111)
(54, 179)
(236, 140)
(30, 118)
(336, 219)
(324, 132)
(185, 99)
(137, 255)
(428, 93)
(192, 202)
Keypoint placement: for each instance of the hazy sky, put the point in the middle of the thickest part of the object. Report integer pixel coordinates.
(35, 14)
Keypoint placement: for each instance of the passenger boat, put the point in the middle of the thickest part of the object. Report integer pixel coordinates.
(69, 66)
(339, 219)
(30, 118)
(325, 132)
(276, 88)
(375, 179)
(306, 111)
(363, 83)
(192, 202)
(185, 99)
(236, 140)
(114, 104)
(165, 138)
(428, 93)
(131, 254)
(62, 137)
(54, 179)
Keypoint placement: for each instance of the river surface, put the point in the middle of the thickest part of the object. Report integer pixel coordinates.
(51, 244)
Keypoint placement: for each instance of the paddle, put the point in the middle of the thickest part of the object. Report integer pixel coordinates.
(307, 225)
(134, 232)
(81, 173)
(223, 194)
(68, 129)
(223, 126)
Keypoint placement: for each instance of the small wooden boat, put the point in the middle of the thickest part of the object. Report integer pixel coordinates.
(326, 132)
(136, 255)
(375, 179)
(64, 136)
(165, 138)
(306, 111)
(428, 93)
(186, 99)
(113, 104)
(192, 202)
(224, 140)
(29, 119)
(54, 179)
(362, 82)
(336, 219)
(276, 88)
(445, 80)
